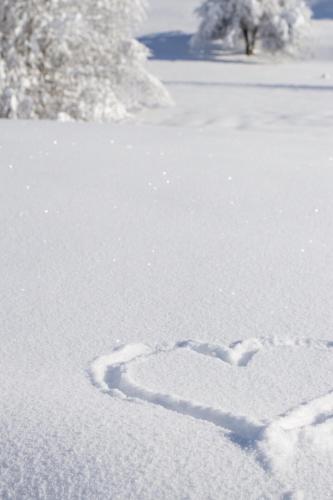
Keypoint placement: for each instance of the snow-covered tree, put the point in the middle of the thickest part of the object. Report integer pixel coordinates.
(73, 59)
(277, 24)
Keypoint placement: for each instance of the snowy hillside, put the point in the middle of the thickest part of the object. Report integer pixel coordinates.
(166, 286)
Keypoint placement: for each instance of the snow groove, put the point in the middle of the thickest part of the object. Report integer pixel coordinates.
(242, 428)
(274, 441)
(279, 438)
(238, 354)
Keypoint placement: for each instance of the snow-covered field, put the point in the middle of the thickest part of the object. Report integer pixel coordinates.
(166, 287)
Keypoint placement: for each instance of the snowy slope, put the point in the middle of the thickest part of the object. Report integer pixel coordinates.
(166, 289)
(232, 91)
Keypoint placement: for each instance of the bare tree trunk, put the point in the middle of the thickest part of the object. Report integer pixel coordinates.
(253, 39)
(250, 37)
(247, 41)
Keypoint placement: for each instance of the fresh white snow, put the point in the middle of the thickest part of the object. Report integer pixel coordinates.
(274, 440)
(166, 286)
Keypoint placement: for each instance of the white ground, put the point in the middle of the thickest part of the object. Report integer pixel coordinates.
(170, 240)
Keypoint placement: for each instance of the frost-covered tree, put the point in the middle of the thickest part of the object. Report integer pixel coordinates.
(277, 24)
(73, 59)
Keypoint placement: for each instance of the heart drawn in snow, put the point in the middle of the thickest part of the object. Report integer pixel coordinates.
(274, 440)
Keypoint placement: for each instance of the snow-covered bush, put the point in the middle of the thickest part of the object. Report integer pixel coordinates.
(277, 24)
(73, 59)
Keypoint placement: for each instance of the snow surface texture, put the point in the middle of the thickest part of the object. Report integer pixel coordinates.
(275, 439)
(209, 221)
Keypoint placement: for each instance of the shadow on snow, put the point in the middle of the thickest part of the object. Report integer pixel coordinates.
(323, 9)
(175, 46)
(267, 86)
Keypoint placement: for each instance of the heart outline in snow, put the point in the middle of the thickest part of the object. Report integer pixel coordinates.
(274, 440)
